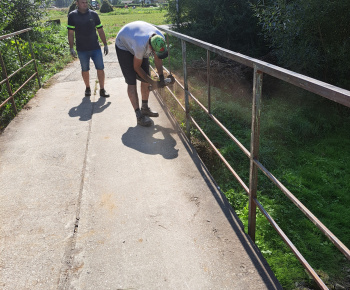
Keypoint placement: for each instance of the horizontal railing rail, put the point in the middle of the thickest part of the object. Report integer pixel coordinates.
(328, 91)
(6, 77)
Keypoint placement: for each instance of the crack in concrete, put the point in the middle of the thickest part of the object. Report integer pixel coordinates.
(67, 268)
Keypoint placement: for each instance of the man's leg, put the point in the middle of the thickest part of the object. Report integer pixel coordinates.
(145, 95)
(101, 78)
(85, 67)
(96, 56)
(86, 78)
(133, 96)
(134, 99)
(144, 91)
(126, 59)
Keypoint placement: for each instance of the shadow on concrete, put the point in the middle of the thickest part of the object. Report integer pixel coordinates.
(252, 250)
(86, 108)
(143, 140)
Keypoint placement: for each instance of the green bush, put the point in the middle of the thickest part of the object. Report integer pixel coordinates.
(310, 37)
(21, 14)
(226, 23)
(50, 49)
(106, 7)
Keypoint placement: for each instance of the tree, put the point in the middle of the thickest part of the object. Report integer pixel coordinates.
(5, 13)
(311, 37)
(23, 14)
(62, 3)
(226, 23)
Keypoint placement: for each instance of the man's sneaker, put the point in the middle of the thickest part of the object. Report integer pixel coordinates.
(103, 93)
(87, 92)
(148, 112)
(144, 121)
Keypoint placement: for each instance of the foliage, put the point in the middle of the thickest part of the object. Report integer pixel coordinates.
(23, 14)
(226, 23)
(49, 44)
(72, 7)
(310, 37)
(5, 13)
(106, 7)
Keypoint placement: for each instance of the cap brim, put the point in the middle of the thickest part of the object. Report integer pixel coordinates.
(162, 55)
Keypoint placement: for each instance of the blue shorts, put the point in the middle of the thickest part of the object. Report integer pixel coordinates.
(95, 55)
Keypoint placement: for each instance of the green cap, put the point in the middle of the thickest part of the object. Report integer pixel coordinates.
(159, 46)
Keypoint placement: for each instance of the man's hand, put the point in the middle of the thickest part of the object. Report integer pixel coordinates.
(105, 49)
(73, 53)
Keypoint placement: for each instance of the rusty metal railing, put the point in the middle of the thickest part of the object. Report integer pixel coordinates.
(331, 92)
(6, 77)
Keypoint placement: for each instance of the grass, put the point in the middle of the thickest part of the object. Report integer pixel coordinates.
(305, 143)
(113, 21)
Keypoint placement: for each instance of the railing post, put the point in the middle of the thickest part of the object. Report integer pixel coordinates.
(208, 81)
(5, 76)
(187, 103)
(169, 54)
(254, 151)
(33, 57)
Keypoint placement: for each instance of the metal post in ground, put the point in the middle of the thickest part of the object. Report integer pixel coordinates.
(187, 103)
(254, 151)
(208, 81)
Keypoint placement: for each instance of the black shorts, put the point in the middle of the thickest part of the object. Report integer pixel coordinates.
(126, 62)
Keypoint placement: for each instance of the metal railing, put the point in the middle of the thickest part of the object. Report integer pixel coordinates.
(6, 77)
(331, 92)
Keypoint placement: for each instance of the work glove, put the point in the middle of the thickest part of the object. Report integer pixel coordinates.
(73, 53)
(161, 83)
(105, 49)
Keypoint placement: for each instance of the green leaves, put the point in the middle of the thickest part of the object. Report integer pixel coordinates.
(229, 24)
(5, 13)
(49, 44)
(310, 37)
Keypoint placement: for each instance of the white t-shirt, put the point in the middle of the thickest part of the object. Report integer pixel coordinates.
(134, 37)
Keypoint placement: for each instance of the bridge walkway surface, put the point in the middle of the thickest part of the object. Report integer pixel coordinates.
(90, 200)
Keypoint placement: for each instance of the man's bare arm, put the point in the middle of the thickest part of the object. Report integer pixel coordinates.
(102, 35)
(159, 64)
(71, 38)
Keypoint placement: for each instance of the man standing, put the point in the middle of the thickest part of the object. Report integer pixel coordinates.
(134, 44)
(84, 23)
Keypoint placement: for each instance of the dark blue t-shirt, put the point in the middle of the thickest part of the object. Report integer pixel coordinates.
(84, 25)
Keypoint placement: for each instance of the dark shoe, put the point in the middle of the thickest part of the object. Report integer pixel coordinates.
(103, 93)
(87, 92)
(144, 121)
(148, 112)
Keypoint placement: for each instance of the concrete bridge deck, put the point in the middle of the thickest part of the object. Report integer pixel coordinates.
(90, 200)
